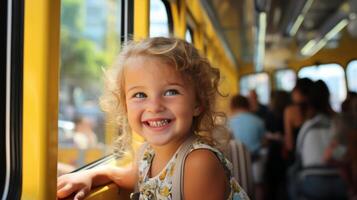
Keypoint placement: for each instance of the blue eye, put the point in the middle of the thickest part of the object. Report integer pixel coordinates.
(139, 95)
(171, 92)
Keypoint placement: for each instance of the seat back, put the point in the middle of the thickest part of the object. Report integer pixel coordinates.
(242, 167)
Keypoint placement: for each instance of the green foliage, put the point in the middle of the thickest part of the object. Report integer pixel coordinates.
(72, 15)
(81, 58)
(81, 62)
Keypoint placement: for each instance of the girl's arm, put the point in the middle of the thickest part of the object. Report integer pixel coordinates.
(81, 182)
(204, 177)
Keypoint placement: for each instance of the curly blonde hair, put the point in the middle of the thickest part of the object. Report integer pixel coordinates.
(187, 60)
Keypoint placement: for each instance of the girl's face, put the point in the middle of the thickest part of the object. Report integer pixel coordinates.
(160, 102)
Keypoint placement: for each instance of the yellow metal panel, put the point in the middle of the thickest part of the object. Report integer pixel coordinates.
(110, 191)
(195, 9)
(175, 17)
(182, 27)
(178, 10)
(41, 59)
(141, 19)
(198, 39)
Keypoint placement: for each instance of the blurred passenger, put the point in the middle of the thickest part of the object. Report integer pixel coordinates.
(249, 129)
(275, 168)
(255, 107)
(294, 116)
(84, 137)
(342, 150)
(246, 126)
(317, 179)
(349, 104)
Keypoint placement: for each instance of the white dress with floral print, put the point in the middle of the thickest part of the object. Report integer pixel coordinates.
(160, 186)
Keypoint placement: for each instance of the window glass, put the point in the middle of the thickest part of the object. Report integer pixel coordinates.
(352, 76)
(90, 40)
(333, 76)
(159, 20)
(259, 83)
(189, 35)
(285, 79)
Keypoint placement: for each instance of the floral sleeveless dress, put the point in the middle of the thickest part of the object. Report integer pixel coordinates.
(160, 186)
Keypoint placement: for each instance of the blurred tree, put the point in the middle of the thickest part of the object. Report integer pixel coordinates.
(81, 61)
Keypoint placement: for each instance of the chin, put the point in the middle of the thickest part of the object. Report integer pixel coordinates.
(158, 142)
(155, 138)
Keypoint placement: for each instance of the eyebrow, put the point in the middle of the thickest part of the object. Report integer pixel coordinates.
(177, 84)
(169, 84)
(132, 88)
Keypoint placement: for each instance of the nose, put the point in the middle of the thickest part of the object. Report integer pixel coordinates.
(155, 105)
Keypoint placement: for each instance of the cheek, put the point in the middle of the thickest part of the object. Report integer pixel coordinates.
(185, 111)
(133, 110)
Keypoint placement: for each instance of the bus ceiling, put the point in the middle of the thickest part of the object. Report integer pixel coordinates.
(270, 32)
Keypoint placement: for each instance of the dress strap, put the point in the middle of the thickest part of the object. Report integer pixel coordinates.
(139, 157)
(177, 178)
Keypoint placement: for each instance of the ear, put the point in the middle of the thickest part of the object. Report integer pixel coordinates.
(198, 110)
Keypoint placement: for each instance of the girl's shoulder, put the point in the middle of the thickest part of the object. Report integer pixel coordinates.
(202, 172)
(207, 151)
(205, 159)
(207, 162)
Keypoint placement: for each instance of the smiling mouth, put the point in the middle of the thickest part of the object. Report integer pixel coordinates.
(157, 123)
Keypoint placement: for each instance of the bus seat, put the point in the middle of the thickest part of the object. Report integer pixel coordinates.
(79, 157)
(242, 167)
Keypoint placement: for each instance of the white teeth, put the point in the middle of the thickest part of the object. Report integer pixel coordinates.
(158, 123)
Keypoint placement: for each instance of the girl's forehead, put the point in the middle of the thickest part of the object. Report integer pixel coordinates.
(145, 67)
(142, 59)
(150, 65)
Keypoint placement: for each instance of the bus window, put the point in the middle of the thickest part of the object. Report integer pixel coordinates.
(90, 40)
(159, 19)
(333, 76)
(189, 35)
(351, 76)
(258, 82)
(285, 79)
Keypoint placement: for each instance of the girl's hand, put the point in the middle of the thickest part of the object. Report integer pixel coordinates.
(78, 182)
(81, 182)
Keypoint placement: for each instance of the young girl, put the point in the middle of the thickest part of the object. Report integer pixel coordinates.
(162, 89)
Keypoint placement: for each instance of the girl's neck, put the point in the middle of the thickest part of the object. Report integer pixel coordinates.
(167, 151)
(163, 155)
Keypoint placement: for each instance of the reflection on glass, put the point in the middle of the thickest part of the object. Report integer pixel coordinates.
(159, 23)
(90, 39)
(285, 79)
(259, 83)
(188, 36)
(333, 76)
(352, 76)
